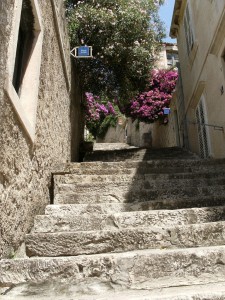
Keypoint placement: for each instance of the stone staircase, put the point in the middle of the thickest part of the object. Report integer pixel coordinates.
(141, 224)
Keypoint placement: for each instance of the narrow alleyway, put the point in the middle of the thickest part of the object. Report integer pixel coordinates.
(130, 223)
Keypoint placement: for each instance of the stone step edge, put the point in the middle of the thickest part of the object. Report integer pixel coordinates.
(137, 228)
(169, 184)
(124, 213)
(23, 270)
(138, 175)
(203, 292)
(155, 170)
(137, 148)
(126, 193)
(68, 207)
(53, 223)
(102, 241)
(70, 167)
(75, 178)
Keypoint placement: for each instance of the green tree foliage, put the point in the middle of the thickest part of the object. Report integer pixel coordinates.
(124, 36)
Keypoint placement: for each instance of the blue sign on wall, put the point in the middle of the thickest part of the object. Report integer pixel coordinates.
(166, 111)
(83, 51)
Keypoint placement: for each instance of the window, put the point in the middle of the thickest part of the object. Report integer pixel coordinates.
(24, 62)
(24, 43)
(172, 59)
(188, 30)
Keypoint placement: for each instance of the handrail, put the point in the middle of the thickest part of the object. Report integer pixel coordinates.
(215, 127)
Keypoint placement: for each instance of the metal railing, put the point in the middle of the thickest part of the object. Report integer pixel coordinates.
(215, 127)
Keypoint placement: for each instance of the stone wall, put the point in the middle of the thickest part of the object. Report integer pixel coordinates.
(115, 134)
(141, 134)
(25, 172)
(154, 135)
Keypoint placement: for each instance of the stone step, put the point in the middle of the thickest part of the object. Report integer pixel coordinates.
(215, 291)
(140, 167)
(113, 146)
(134, 185)
(111, 204)
(142, 170)
(93, 242)
(133, 194)
(129, 178)
(138, 153)
(137, 270)
(117, 157)
(121, 146)
(87, 222)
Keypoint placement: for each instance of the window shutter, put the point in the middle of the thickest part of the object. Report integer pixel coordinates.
(188, 30)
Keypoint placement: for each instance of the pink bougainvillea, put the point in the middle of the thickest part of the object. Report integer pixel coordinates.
(148, 106)
(96, 112)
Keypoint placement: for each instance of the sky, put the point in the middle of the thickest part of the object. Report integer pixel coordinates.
(166, 12)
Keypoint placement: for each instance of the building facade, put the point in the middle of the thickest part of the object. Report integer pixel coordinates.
(39, 111)
(199, 27)
(168, 56)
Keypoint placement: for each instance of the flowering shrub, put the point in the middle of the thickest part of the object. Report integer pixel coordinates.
(97, 114)
(148, 106)
(125, 36)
